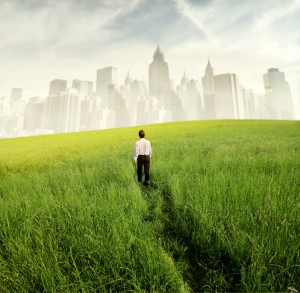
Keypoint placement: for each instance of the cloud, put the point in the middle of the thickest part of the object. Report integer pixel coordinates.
(219, 18)
(56, 24)
(187, 10)
(278, 13)
(46, 39)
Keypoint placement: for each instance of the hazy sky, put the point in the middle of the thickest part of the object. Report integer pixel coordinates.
(41, 40)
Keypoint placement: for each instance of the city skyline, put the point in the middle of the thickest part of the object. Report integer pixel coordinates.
(116, 104)
(44, 40)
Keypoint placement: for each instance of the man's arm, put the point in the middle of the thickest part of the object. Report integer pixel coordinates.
(135, 152)
(150, 149)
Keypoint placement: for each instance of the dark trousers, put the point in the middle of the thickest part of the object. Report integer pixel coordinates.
(143, 161)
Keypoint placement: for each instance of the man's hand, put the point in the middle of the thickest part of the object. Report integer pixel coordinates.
(135, 162)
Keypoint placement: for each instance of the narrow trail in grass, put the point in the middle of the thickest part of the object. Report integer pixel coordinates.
(193, 258)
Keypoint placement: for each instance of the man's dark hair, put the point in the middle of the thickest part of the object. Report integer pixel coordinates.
(141, 134)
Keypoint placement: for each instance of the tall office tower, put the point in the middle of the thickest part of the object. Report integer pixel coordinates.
(83, 87)
(134, 92)
(278, 97)
(15, 121)
(63, 112)
(209, 93)
(125, 90)
(106, 77)
(191, 98)
(72, 109)
(142, 112)
(229, 103)
(57, 86)
(54, 112)
(86, 113)
(66, 111)
(136, 101)
(122, 115)
(250, 109)
(253, 104)
(184, 79)
(128, 79)
(34, 114)
(259, 106)
(178, 113)
(193, 101)
(5, 106)
(5, 110)
(182, 90)
(16, 94)
(158, 74)
(96, 113)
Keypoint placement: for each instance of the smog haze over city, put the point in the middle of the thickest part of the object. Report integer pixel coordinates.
(43, 40)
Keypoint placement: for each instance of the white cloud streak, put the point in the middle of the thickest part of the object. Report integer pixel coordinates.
(188, 11)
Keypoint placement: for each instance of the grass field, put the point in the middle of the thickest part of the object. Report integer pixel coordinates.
(222, 213)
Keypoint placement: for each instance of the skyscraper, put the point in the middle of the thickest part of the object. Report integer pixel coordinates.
(182, 90)
(137, 93)
(106, 77)
(57, 86)
(191, 98)
(278, 100)
(5, 106)
(193, 101)
(158, 74)
(249, 103)
(16, 94)
(63, 111)
(34, 113)
(84, 87)
(229, 102)
(209, 92)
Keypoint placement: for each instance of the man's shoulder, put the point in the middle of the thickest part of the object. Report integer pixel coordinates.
(142, 140)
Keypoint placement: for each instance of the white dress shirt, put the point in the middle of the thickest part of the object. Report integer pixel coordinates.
(142, 147)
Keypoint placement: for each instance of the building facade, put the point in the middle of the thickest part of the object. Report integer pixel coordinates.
(106, 77)
(229, 103)
(57, 86)
(208, 93)
(278, 100)
(159, 80)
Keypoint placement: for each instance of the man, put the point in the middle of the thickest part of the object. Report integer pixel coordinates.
(141, 155)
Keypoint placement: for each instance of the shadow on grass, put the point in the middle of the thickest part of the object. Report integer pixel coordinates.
(210, 265)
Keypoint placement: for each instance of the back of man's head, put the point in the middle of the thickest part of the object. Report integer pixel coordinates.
(141, 134)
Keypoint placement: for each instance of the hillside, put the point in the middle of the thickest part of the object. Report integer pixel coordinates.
(222, 213)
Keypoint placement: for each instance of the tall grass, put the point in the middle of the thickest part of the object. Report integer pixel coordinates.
(222, 213)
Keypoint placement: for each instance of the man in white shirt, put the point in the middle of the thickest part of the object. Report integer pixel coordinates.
(141, 155)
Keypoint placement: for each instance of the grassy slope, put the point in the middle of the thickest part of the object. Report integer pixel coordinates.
(222, 213)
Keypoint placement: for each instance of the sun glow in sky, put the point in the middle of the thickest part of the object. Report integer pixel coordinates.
(42, 40)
